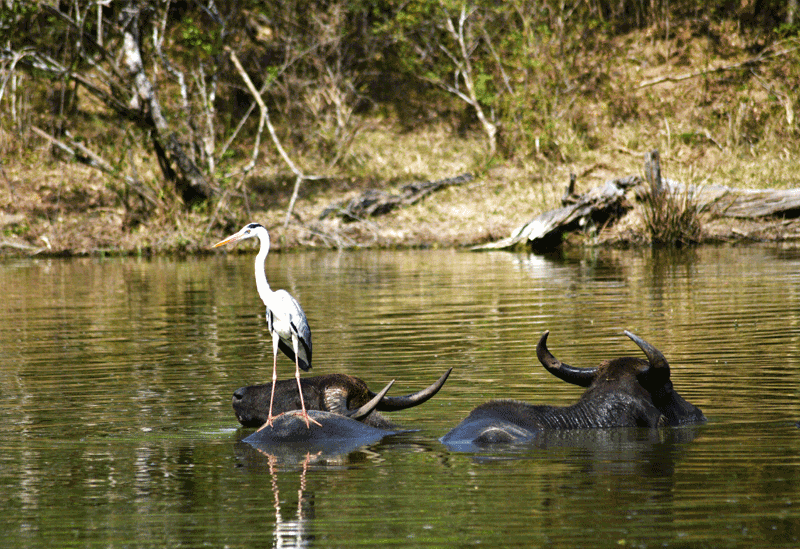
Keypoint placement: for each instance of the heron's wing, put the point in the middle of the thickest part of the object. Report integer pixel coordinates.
(289, 352)
(288, 308)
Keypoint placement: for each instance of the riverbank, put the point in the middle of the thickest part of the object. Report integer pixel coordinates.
(57, 209)
(718, 115)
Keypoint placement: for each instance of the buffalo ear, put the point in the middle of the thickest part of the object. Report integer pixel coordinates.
(582, 377)
(643, 368)
(656, 373)
(655, 357)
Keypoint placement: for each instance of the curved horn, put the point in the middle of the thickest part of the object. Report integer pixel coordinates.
(367, 408)
(391, 404)
(654, 356)
(577, 376)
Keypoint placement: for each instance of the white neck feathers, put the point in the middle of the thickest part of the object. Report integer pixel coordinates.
(264, 291)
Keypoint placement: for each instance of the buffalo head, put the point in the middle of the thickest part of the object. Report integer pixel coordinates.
(622, 392)
(335, 393)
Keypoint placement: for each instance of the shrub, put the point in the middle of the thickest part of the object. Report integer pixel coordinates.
(671, 214)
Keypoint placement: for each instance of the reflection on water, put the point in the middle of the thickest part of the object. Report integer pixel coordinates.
(288, 532)
(116, 379)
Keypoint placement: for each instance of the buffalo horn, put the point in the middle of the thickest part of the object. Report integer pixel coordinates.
(654, 356)
(391, 404)
(577, 376)
(367, 408)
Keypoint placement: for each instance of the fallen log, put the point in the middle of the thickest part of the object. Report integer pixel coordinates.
(373, 202)
(603, 206)
(598, 206)
(751, 203)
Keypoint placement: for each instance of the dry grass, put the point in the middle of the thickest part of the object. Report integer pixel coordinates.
(709, 130)
(672, 218)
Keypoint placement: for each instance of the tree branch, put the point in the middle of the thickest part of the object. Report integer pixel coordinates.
(84, 155)
(746, 63)
(300, 176)
(465, 72)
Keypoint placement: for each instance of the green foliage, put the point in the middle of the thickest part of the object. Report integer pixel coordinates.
(198, 39)
(16, 229)
(788, 30)
(15, 11)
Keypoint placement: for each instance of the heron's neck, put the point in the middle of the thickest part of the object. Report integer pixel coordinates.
(264, 291)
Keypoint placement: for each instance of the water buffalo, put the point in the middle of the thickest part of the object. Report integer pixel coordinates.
(340, 394)
(330, 433)
(623, 392)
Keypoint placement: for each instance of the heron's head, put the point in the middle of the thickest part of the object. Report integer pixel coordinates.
(250, 230)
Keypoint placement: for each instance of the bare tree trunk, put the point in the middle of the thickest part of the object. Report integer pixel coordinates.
(175, 164)
(652, 172)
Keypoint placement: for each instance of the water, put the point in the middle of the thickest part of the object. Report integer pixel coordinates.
(116, 428)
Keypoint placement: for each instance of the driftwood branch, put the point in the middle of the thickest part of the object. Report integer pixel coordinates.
(652, 172)
(597, 207)
(569, 196)
(373, 202)
(749, 203)
(33, 250)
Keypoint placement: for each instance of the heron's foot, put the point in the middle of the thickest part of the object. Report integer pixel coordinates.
(308, 419)
(267, 424)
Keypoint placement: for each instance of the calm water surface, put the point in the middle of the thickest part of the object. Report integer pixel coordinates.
(117, 431)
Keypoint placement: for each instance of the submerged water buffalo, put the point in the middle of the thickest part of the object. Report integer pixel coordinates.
(623, 392)
(330, 433)
(338, 394)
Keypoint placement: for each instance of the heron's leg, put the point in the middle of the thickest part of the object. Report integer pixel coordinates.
(275, 339)
(300, 387)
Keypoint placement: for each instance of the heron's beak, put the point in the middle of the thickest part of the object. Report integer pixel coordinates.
(232, 238)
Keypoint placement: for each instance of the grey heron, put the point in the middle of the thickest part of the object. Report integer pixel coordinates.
(286, 320)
